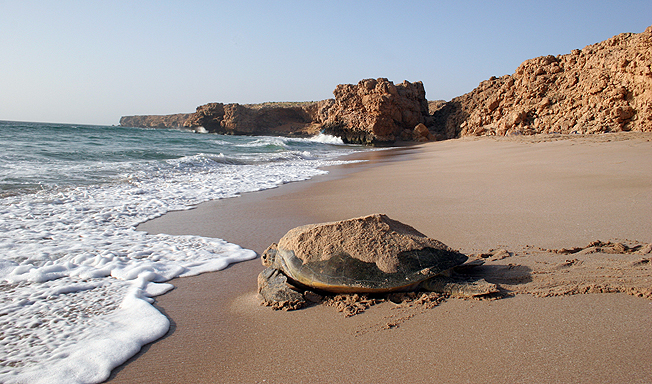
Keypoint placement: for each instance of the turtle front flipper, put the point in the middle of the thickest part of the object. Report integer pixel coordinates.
(274, 289)
(460, 287)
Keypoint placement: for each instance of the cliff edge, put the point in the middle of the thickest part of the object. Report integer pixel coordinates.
(605, 87)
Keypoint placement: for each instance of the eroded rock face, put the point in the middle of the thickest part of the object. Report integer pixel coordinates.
(605, 87)
(208, 116)
(286, 119)
(376, 110)
(282, 119)
(373, 111)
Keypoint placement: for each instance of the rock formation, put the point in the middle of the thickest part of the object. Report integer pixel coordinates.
(155, 121)
(371, 112)
(605, 87)
(376, 111)
(284, 119)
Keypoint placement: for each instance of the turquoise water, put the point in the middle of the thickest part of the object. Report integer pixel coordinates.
(38, 155)
(76, 277)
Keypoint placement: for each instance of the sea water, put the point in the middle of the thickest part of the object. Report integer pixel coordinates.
(77, 280)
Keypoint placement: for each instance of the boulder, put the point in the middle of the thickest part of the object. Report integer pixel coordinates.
(376, 111)
(421, 133)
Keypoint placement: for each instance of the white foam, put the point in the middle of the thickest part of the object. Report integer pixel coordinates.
(96, 337)
(77, 279)
(326, 139)
(265, 141)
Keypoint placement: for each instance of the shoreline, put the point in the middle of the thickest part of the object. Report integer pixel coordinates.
(473, 195)
(251, 210)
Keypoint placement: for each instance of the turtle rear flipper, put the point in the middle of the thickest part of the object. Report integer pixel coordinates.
(460, 287)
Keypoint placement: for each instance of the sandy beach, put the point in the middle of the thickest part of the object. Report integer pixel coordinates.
(533, 208)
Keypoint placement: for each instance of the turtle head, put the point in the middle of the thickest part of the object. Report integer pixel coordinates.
(267, 258)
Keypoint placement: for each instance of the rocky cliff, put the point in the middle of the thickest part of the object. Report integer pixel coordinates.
(285, 119)
(155, 121)
(377, 111)
(605, 87)
(371, 112)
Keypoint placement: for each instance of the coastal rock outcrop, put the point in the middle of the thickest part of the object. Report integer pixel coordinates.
(376, 111)
(605, 87)
(285, 119)
(373, 111)
(155, 121)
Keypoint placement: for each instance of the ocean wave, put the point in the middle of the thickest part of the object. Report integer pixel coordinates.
(278, 143)
(327, 139)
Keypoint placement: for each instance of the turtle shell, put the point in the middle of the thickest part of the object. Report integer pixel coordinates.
(367, 254)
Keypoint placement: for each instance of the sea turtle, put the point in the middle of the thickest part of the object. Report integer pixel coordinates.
(370, 254)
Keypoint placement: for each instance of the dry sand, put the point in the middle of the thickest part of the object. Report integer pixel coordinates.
(516, 202)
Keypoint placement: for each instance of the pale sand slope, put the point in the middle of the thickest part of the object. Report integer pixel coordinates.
(520, 194)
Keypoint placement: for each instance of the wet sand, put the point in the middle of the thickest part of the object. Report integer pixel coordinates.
(527, 196)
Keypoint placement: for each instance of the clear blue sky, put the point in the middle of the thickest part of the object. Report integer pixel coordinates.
(92, 61)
